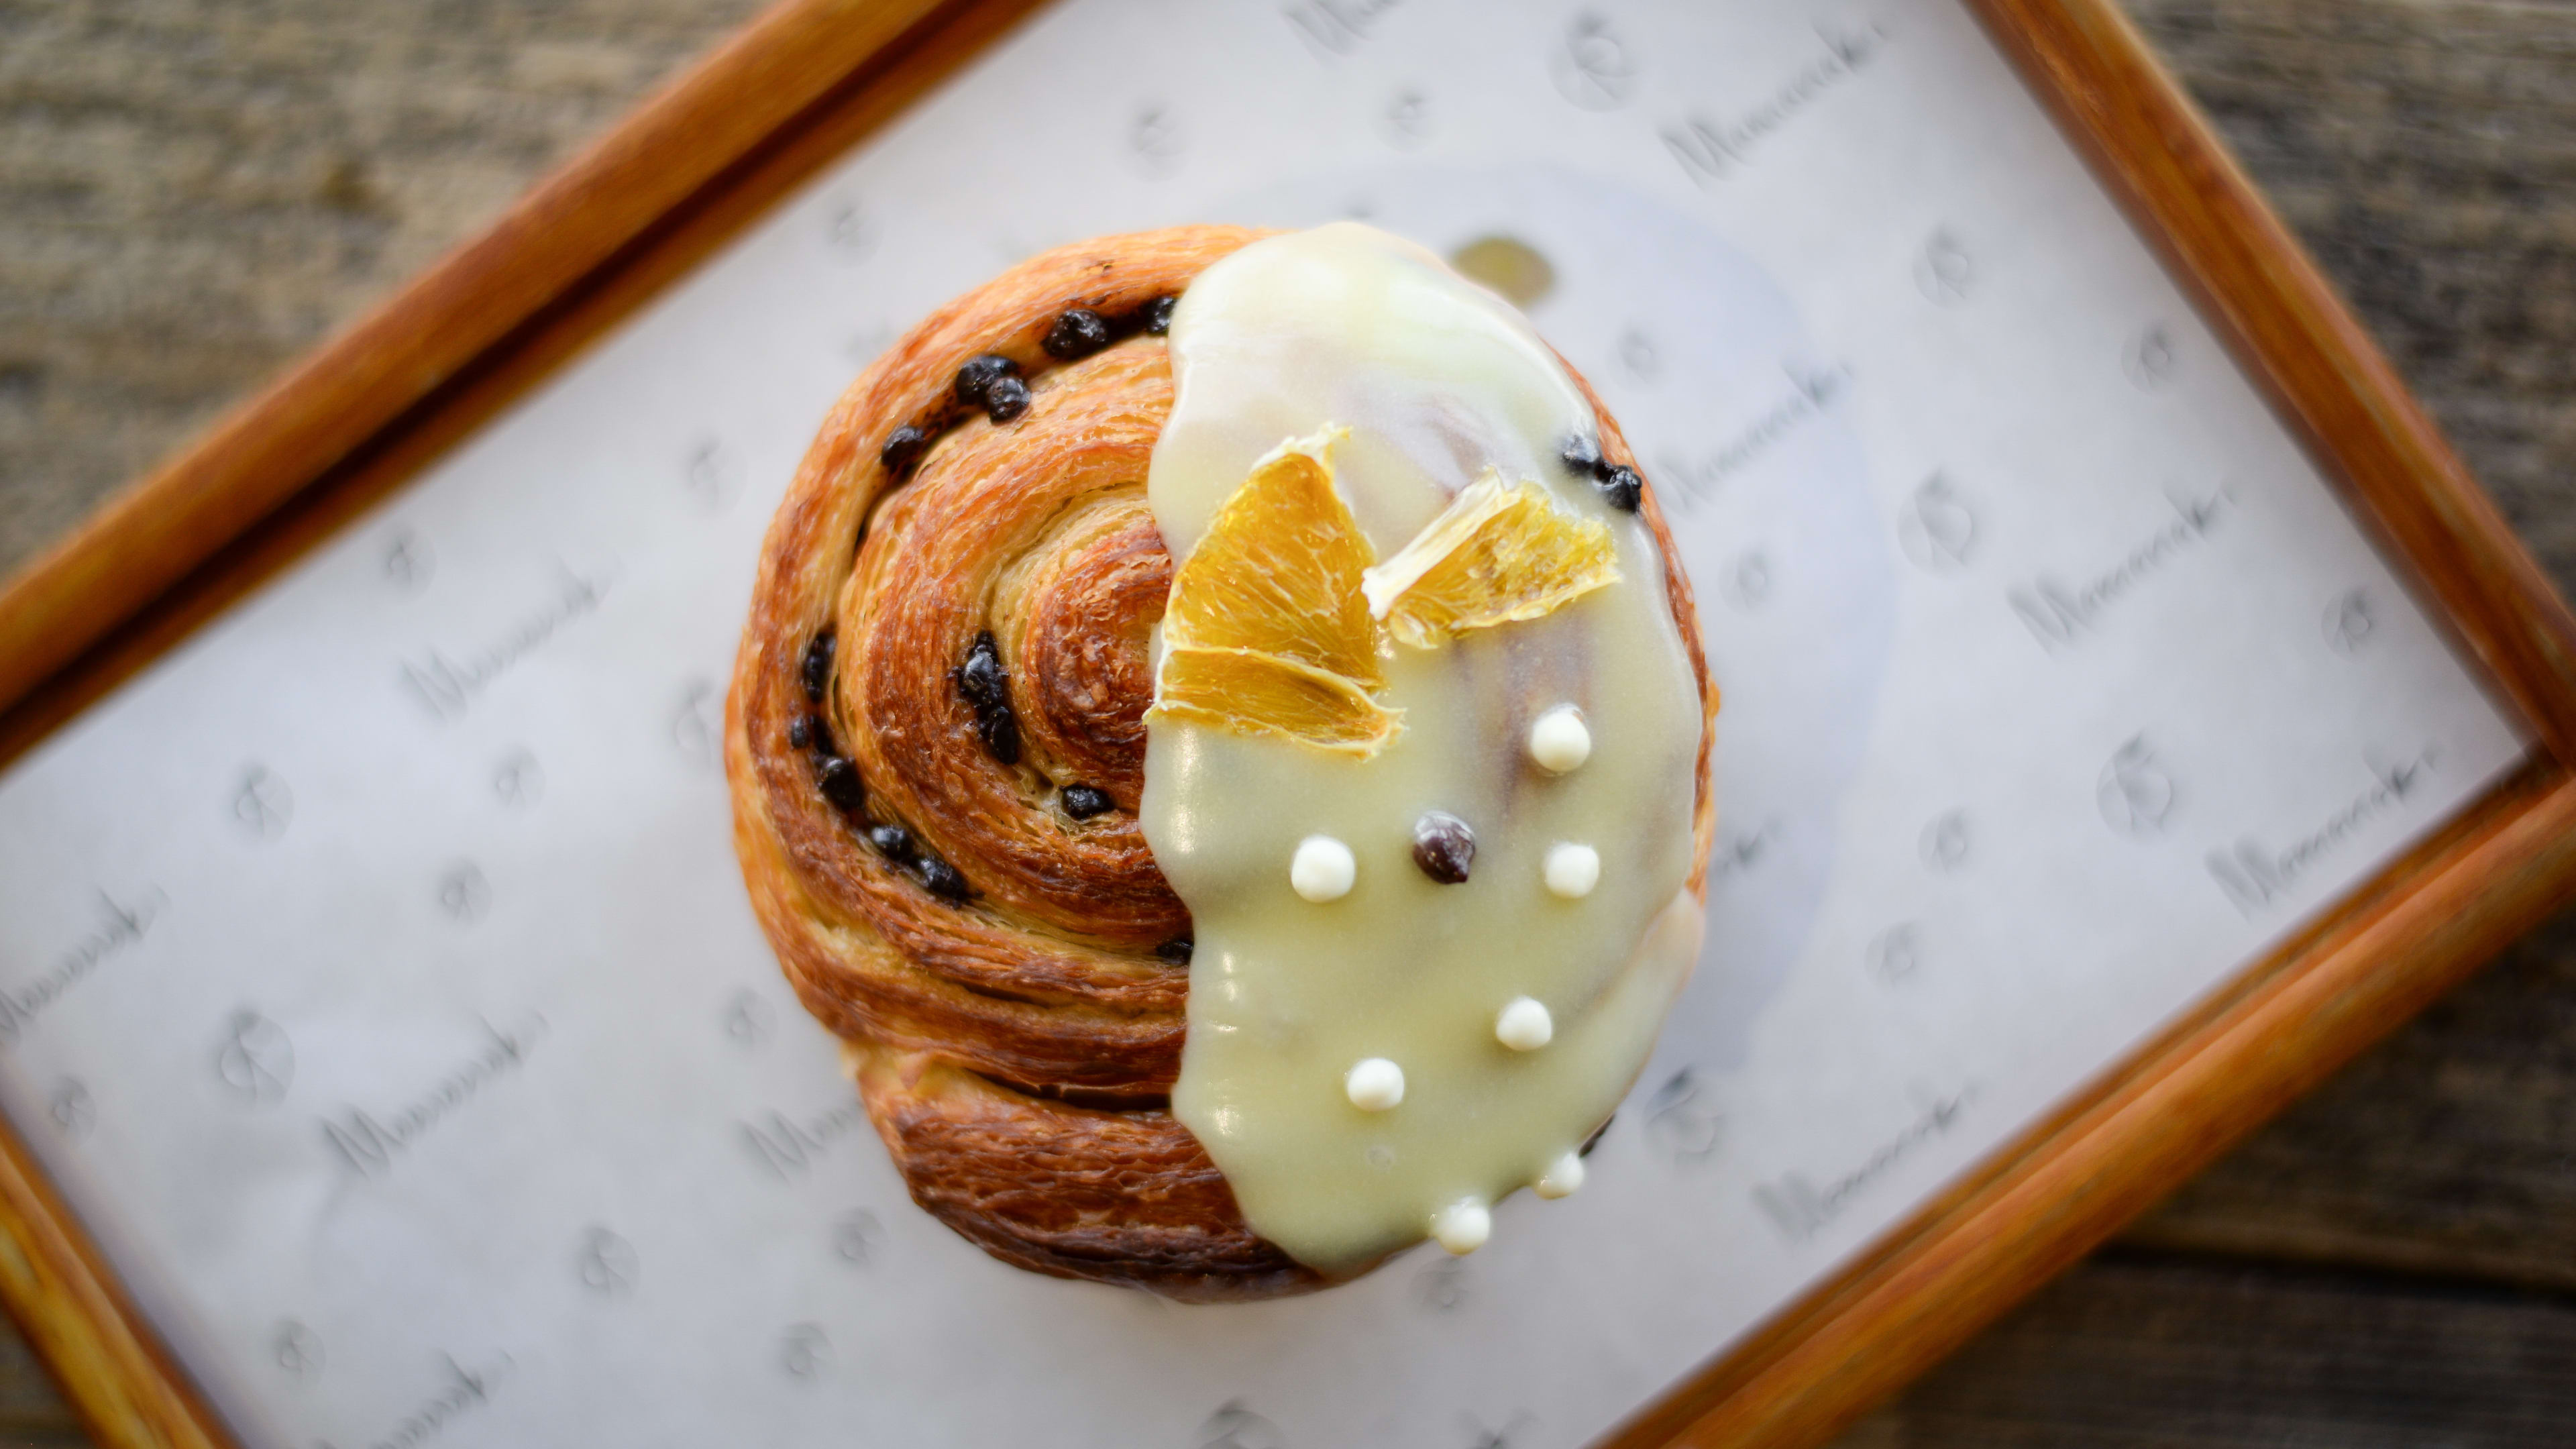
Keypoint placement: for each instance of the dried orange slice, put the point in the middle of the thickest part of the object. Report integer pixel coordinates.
(1252, 693)
(1279, 568)
(1267, 631)
(1497, 555)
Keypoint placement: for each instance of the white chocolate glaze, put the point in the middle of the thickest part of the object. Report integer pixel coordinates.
(1437, 380)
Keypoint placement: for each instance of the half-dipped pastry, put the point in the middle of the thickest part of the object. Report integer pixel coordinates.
(1222, 737)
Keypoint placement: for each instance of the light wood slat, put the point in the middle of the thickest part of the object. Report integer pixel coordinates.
(109, 1363)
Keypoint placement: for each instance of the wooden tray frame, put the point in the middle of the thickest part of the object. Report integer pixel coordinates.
(713, 151)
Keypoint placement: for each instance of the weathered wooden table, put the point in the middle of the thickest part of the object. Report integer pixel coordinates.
(193, 191)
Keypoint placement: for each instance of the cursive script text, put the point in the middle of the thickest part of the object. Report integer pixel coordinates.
(1713, 150)
(2060, 616)
(461, 1391)
(1800, 1209)
(787, 1147)
(1812, 390)
(447, 686)
(119, 928)
(1335, 27)
(2254, 875)
(367, 1145)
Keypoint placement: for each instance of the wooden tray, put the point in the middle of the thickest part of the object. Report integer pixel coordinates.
(813, 77)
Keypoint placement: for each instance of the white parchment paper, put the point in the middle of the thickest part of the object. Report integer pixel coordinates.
(375, 975)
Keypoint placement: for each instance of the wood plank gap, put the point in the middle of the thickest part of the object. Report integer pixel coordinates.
(2431, 1280)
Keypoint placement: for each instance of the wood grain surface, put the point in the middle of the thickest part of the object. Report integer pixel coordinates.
(192, 192)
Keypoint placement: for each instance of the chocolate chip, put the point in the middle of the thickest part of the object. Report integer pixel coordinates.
(818, 663)
(818, 735)
(941, 879)
(801, 733)
(892, 841)
(903, 448)
(1177, 950)
(1084, 801)
(841, 785)
(975, 380)
(1444, 847)
(1078, 333)
(1623, 488)
(1006, 399)
(1581, 455)
(1158, 315)
(1001, 731)
(980, 679)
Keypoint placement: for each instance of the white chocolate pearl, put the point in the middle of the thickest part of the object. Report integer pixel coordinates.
(1463, 1227)
(1559, 741)
(1374, 1085)
(1572, 871)
(1323, 870)
(1524, 1025)
(1563, 1178)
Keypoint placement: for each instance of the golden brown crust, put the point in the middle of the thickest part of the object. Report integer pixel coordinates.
(1119, 1197)
(1012, 1042)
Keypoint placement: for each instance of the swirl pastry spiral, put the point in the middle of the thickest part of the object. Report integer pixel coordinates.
(935, 739)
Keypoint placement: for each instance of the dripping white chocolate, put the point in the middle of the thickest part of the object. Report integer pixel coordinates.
(1293, 988)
